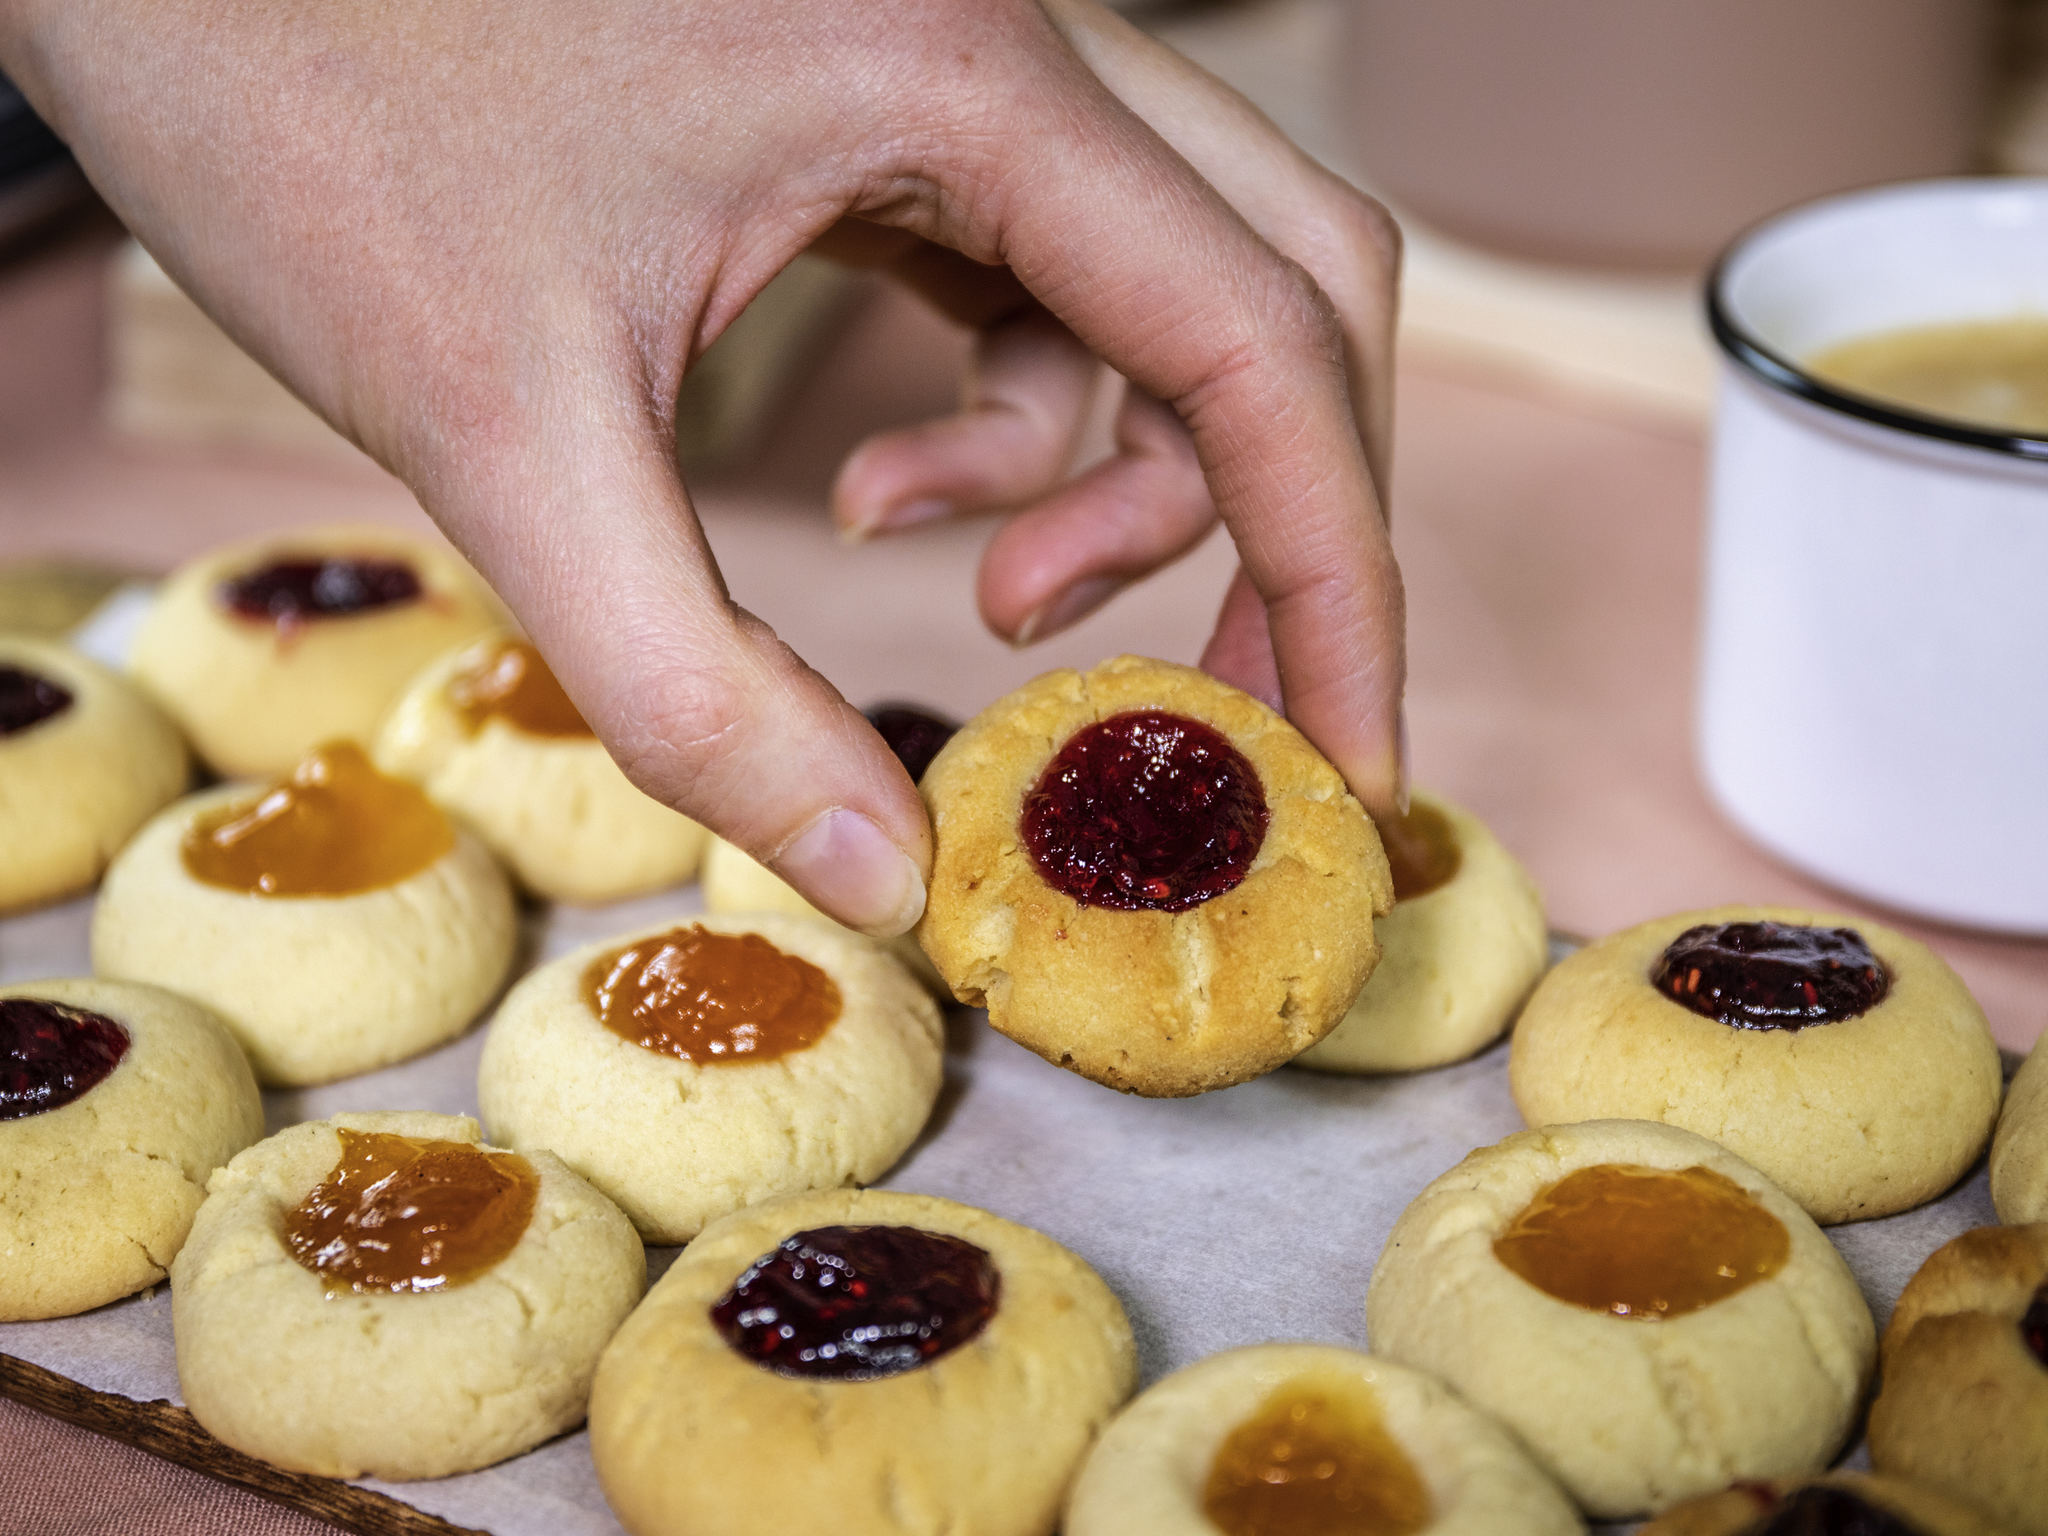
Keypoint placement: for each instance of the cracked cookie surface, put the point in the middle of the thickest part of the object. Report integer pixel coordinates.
(98, 1194)
(1629, 1413)
(1862, 1117)
(1158, 1002)
(341, 1383)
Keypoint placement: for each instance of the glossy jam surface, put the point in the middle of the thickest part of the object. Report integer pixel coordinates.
(2034, 1326)
(854, 1303)
(28, 698)
(914, 735)
(294, 590)
(400, 1213)
(711, 997)
(1644, 1243)
(1145, 811)
(1771, 975)
(335, 827)
(1316, 1459)
(1422, 850)
(51, 1054)
(509, 681)
(1824, 1511)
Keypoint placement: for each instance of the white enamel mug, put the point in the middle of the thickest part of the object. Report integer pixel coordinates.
(1874, 674)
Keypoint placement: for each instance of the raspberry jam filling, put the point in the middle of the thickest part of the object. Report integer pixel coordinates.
(51, 1054)
(28, 698)
(711, 997)
(2034, 1326)
(334, 827)
(1315, 1459)
(507, 680)
(407, 1213)
(1642, 1242)
(1145, 811)
(856, 1303)
(1825, 1511)
(1771, 975)
(292, 590)
(913, 734)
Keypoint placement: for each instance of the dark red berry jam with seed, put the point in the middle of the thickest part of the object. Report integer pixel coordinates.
(914, 735)
(1823, 1511)
(855, 1303)
(292, 591)
(51, 1054)
(1772, 975)
(28, 698)
(2034, 1325)
(1145, 811)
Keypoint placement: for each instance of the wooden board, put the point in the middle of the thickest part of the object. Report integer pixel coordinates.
(165, 1430)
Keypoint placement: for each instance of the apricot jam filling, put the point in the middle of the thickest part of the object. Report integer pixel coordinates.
(1644, 1243)
(1771, 975)
(334, 827)
(1315, 1459)
(1823, 1511)
(1422, 851)
(1145, 811)
(295, 588)
(28, 698)
(405, 1213)
(856, 1303)
(508, 680)
(51, 1054)
(711, 997)
(914, 735)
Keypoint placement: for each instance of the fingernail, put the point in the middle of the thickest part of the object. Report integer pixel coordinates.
(851, 868)
(1404, 765)
(925, 509)
(1070, 607)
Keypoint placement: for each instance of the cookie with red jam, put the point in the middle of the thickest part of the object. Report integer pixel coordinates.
(1964, 1407)
(1843, 1059)
(1149, 878)
(263, 649)
(868, 1362)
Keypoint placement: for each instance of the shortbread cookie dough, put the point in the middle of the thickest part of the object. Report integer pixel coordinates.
(1303, 1437)
(1857, 1074)
(2019, 1152)
(1964, 1407)
(1464, 944)
(84, 760)
(734, 882)
(467, 1332)
(955, 1389)
(1851, 1503)
(264, 649)
(491, 736)
(337, 920)
(1650, 1315)
(1149, 878)
(780, 1054)
(116, 1102)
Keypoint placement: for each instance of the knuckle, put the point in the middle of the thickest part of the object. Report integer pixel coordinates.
(682, 732)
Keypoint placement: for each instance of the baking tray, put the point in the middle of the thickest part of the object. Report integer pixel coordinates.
(1251, 1214)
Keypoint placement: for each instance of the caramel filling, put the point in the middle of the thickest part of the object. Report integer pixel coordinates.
(711, 997)
(1316, 1459)
(1644, 1243)
(334, 827)
(1422, 850)
(508, 680)
(399, 1213)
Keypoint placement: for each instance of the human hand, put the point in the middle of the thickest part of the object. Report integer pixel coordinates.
(485, 239)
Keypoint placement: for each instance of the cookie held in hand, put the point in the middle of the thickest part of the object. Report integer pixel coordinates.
(1149, 878)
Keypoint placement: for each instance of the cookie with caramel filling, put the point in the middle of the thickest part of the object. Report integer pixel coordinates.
(1842, 1058)
(1149, 878)
(1648, 1313)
